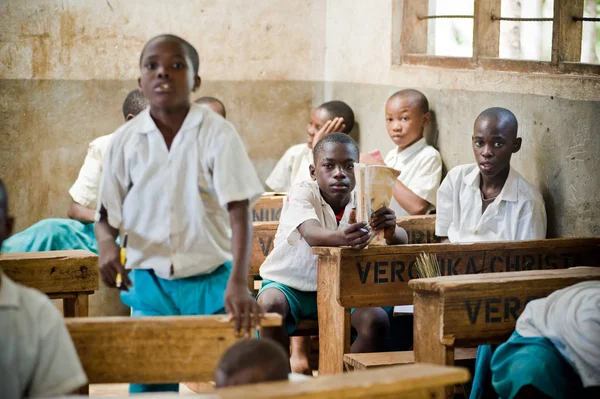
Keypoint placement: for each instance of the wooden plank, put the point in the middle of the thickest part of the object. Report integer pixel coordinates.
(412, 381)
(486, 32)
(379, 276)
(484, 309)
(268, 207)
(438, 61)
(153, 349)
(364, 361)
(420, 228)
(54, 271)
(566, 33)
(414, 30)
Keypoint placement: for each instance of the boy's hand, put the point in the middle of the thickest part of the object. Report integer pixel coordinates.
(109, 263)
(331, 126)
(357, 235)
(384, 219)
(240, 306)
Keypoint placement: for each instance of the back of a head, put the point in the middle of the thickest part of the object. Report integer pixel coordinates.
(415, 96)
(505, 119)
(252, 361)
(214, 103)
(337, 138)
(134, 103)
(337, 109)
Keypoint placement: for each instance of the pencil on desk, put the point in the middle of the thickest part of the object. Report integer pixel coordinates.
(123, 258)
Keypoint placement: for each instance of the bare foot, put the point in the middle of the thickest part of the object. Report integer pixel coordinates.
(299, 365)
(299, 355)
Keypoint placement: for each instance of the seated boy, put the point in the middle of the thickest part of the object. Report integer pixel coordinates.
(489, 200)
(37, 357)
(318, 213)
(212, 103)
(78, 231)
(554, 351)
(420, 165)
(292, 168)
(178, 182)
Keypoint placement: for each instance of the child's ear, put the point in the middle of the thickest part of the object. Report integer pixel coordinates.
(311, 169)
(140, 83)
(197, 82)
(129, 117)
(516, 145)
(426, 118)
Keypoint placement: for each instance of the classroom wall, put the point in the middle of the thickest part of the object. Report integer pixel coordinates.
(66, 66)
(558, 115)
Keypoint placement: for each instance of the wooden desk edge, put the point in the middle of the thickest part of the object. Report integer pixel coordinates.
(213, 321)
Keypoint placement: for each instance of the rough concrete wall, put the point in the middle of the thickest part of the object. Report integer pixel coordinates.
(66, 66)
(558, 115)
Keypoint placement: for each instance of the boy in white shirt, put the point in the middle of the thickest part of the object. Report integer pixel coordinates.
(37, 356)
(292, 168)
(178, 182)
(489, 200)
(318, 213)
(420, 165)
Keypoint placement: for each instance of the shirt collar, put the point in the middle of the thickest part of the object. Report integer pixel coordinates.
(417, 146)
(509, 191)
(9, 292)
(192, 119)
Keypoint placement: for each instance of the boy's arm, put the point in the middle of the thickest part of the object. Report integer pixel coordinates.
(238, 302)
(385, 219)
(410, 201)
(109, 260)
(85, 189)
(355, 236)
(81, 213)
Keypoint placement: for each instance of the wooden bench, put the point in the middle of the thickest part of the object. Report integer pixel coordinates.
(364, 361)
(379, 276)
(68, 275)
(151, 350)
(268, 207)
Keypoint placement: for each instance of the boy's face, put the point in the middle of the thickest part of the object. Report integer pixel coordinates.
(318, 118)
(167, 75)
(404, 121)
(493, 147)
(334, 172)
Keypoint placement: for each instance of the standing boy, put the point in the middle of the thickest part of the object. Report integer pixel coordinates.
(178, 182)
(318, 213)
(420, 165)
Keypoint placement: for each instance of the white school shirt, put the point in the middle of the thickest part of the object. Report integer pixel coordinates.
(291, 262)
(85, 189)
(172, 204)
(570, 319)
(420, 167)
(518, 213)
(37, 356)
(292, 168)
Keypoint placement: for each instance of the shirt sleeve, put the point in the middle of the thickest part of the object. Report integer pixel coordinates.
(532, 222)
(445, 206)
(280, 178)
(58, 370)
(300, 207)
(234, 177)
(114, 184)
(85, 189)
(426, 183)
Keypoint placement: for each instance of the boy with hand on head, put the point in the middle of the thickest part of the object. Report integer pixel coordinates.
(319, 213)
(292, 168)
(212, 103)
(178, 181)
(420, 165)
(37, 356)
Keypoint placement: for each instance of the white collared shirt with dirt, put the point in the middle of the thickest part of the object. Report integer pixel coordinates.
(517, 213)
(172, 203)
(420, 167)
(292, 168)
(292, 262)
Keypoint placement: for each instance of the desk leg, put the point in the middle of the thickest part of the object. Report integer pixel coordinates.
(334, 321)
(76, 307)
(429, 345)
(69, 307)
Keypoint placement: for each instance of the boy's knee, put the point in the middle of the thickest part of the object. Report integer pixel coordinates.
(273, 300)
(371, 321)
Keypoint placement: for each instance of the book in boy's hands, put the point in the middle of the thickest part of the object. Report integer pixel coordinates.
(374, 190)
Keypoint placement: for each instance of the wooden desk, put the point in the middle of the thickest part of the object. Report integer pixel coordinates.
(379, 276)
(268, 207)
(68, 275)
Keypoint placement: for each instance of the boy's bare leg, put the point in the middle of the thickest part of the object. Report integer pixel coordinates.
(372, 326)
(273, 301)
(299, 357)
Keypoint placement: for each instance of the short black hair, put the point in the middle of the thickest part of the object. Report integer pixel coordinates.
(337, 138)
(134, 103)
(212, 100)
(336, 109)
(3, 199)
(413, 95)
(190, 50)
(507, 121)
(264, 354)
